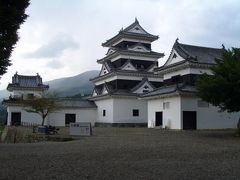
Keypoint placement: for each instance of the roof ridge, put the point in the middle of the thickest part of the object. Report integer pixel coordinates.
(197, 46)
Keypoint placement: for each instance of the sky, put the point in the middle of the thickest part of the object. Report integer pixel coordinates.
(63, 38)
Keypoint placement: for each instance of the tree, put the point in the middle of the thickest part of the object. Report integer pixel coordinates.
(42, 106)
(222, 89)
(12, 15)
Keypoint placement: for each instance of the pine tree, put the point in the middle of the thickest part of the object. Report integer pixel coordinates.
(222, 89)
(12, 15)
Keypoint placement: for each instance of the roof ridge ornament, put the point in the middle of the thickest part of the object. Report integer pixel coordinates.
(223, 47)
(136, 20)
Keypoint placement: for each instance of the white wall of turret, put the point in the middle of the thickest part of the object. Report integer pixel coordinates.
(26, 93)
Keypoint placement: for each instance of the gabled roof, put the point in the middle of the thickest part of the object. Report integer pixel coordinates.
(139, 48)
(165, 90)
(110, 51)
(196, 54)
(134, 30)
(128, 66)
(96, 90)
(26, 82)
(76, 103)
(144, 82)
(105, 88)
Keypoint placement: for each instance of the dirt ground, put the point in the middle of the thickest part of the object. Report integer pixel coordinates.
(127, 153)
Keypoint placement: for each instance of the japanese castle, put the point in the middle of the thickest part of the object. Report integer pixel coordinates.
(127, 72)
(132, 90)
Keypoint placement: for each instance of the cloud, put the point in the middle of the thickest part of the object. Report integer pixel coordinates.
(54, 48)
(54, 64)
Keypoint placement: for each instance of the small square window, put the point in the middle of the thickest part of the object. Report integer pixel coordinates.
(166, 105)
(135, 112)
(203, 104)
(104, 112)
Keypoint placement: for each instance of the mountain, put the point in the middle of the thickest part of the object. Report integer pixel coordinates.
(69, 86)
(4, 94)
(75, 85)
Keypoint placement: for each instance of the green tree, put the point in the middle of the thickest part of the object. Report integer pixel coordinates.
(222, 89)
(42, 106)
(12, 15)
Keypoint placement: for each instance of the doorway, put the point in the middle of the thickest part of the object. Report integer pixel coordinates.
(16, 118)
(189, 120)
(158, 118)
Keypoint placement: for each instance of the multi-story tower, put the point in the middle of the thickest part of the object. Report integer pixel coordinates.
(127, 72)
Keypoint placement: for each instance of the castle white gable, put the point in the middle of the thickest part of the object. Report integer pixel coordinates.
(94, 93)
(144, 88)
(129, 66)
(104, 70)
(173, 58)
(104, 91)
(110, 51)
(137, 29)
(139, 49)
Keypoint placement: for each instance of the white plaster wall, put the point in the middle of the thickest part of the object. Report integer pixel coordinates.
(155, 105)
(19, 93)
(106, 104)
(174, 60)
(123, 110)
(171, 116)
(209, 117)
(138, 78)
(186, 71)
(26, 117)
(82, 115)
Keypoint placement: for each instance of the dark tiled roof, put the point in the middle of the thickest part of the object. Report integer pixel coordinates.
(63, 102)
(20, 81)
(171, 89)
(205, 55)
(77, 103)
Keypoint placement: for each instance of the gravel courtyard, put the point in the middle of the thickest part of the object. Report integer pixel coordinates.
(127, 153)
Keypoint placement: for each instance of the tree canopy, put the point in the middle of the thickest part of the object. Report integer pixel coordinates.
(222, 89)
(42, 106)
(12, 15)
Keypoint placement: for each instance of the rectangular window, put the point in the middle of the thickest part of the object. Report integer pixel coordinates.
(135, 112)
(70, 118)
(104, 112)
(30, 96)
(202, 104)
(166, 105)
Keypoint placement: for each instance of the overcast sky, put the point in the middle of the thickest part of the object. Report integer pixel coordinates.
(63, 37)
